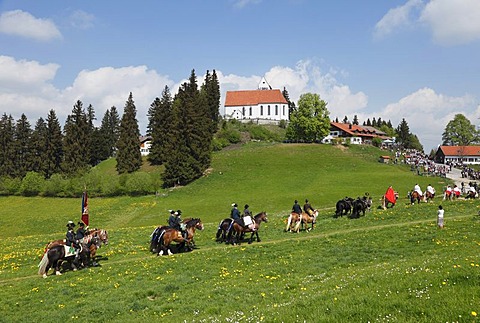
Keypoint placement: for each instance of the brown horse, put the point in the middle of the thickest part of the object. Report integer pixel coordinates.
(429, 196)
(307, 218)
(101, 234)
(55, 256)
(239, 229)
(170, 235)
(223, 230)
(293, 223)
(414, 195)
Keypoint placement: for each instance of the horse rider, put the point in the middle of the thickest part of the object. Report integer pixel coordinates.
(448, 191)
(307, 208)
(246, 211)
(70, 238)
(418, 190)
(456, 191)
(472, 192)
(431, 190)
(177, 224)
(235, 215)
(296, 208)
(173, 220)
(80, 234)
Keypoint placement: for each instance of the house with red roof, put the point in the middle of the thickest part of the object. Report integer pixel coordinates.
(355, 133)
(458, 154)
(264, 105)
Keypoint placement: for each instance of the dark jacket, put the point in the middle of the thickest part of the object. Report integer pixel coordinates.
(235, 214)
(296, 208)
(80, 234)
(174, 222)
(70, 239)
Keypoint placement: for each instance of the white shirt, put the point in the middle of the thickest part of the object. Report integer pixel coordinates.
(430, 189)
(440, 214)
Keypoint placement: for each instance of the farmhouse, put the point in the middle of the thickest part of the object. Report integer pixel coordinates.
(145, 144)
(355, 133)
(458, 154)
(263, 106)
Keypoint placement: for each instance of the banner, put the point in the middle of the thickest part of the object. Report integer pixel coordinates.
(85, 208)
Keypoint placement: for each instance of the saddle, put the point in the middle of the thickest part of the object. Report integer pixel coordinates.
(71, 251)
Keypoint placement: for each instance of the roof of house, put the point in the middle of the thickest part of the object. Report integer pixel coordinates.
(360, 131)
(254, 97)
(460, 150)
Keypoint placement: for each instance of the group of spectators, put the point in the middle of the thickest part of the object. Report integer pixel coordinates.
(420, 163)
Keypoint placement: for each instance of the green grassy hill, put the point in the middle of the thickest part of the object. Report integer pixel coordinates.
(391, 265)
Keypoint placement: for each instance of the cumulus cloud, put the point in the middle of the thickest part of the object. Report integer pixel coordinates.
(453, 22)
(427, 113)
(450, 22)
(396, 18)
(23, 24)
(81, 19)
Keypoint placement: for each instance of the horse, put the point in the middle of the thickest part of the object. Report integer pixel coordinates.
(293, 222)
(429, 196)
(238, 229)
(414, 195)
(55, 256)
(101, 234)
(360, 205)
(223, 230)
(170, 235)
(471, 195)
(386, 202)
(343, 207)
(154, 237)
(307, 218)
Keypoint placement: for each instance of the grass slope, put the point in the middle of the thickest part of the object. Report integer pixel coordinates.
(392, 265)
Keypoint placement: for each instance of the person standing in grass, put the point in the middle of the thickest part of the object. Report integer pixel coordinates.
(440, 214)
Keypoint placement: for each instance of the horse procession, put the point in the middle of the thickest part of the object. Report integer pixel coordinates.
(78, 250)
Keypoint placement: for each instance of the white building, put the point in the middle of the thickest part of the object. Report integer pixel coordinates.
(264, 105)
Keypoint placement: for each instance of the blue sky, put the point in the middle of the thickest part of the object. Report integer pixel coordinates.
(412, 59)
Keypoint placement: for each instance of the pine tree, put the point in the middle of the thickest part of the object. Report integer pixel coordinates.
(23, 143)
(374, 122)
(345, 120)
(109, 130)
(129, 158)
(39, 146)
(379, 122)
(7, 146)
(92, 147)
(160, 119)
(211, 87)
(76, 139)
(355, 120)
(53, 146)
(291, 105)
(369, 123)
(403, 134)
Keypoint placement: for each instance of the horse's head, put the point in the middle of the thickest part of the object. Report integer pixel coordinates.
(262, 216)
(195, 223)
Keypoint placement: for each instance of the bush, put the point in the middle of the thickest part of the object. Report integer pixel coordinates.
(219, 143)
(231, 135)
(9, 186)
(32, 184)
(139, 183)
(54, 186)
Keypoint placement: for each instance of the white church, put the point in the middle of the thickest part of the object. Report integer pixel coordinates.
(263, 106)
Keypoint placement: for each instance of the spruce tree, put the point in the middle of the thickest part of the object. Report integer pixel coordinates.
(129, 158)
(109, 130)
(355, 120)
(76, 140)
(211, 89)
(39, 145)
(291, 105)
(7, 146)
(369, 123)
(160, 119)
(92, 147)
(23, 143)
(53, 146)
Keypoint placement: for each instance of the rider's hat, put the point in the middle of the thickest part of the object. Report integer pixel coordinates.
(80, 223)
(179, 212)
(306, 200)
(171, 211)
(246, 206)
(296, 201)
(70, 224)
(234, 204)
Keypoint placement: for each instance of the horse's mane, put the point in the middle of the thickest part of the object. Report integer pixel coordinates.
(259, 214)
(192, 222)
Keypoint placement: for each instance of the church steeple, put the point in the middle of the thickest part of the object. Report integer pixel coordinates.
(263, 85)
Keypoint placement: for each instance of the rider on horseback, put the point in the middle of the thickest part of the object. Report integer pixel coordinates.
(296, 208)
(172, 220)
(80, 234)
(431, 190)
(178, 225)
(70, 238)
(307, 208)
(418, 190)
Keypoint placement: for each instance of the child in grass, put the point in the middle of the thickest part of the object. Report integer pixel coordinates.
(440, 213)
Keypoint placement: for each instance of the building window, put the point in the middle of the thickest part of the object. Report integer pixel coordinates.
(268, 109)
(261, 110)
(283, 110)
(276, 110)
(243, 111)
(250, 110)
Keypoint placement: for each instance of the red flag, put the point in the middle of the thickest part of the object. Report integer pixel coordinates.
(390, 195)
(85, 208)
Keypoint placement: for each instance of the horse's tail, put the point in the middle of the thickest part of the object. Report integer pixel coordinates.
(289, 222)
(42, 266)
(160, 237)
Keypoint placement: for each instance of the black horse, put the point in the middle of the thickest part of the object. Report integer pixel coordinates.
(360, 206)
(55, 256)
(224, 230)
(343, 207)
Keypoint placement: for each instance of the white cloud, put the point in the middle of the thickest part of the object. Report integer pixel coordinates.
(450, 22)
(81, 19)
(21, 23)
(396, 18)
(243, 3)
(453, 22)
(427, 113)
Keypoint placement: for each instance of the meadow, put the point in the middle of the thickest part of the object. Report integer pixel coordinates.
(392, 265)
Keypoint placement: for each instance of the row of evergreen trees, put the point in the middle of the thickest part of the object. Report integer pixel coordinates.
(182, 129)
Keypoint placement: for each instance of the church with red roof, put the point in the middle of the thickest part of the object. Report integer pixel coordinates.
(263, 106)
